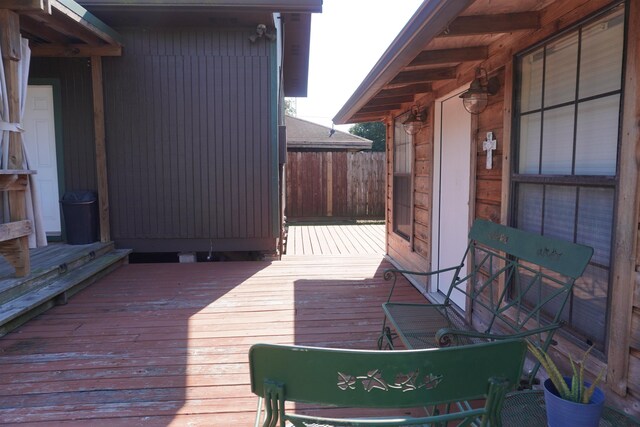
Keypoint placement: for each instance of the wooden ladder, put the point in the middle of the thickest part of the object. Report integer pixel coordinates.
(14, 235)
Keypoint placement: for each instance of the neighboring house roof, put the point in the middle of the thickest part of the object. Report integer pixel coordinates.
(439, 48)
(302, 134)
(294, 14)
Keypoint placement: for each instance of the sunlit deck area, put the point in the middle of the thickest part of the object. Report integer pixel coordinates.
(167, 344)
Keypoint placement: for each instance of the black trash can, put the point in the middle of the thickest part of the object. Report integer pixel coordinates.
(80, 212)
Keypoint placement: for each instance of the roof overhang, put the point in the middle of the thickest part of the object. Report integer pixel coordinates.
(63, 28)
(295, 16)
(440, 46)
(281, 6)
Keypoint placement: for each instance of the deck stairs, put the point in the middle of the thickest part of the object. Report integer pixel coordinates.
(58, 271)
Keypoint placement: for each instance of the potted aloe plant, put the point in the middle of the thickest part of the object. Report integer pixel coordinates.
(570, 401)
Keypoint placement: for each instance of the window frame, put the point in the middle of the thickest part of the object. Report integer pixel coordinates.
(397, 127)
(575, 181)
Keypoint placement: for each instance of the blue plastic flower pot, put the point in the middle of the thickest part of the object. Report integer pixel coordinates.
(564, 413)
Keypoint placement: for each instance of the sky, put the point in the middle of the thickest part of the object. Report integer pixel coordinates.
(347, 39)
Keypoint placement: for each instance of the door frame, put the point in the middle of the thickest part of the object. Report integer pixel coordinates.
(58, 136)
(473, 133)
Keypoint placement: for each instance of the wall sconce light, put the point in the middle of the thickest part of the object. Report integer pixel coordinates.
(476, 98)
(416, 120)
(261, 32)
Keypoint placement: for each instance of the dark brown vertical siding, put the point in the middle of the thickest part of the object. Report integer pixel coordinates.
(77, 117)
(188, 136)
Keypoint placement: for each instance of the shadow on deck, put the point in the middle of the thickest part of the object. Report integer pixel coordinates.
(167, 344)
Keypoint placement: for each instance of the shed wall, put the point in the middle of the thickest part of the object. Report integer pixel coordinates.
(189, 138)
(74, 76)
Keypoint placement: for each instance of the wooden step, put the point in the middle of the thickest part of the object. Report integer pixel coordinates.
(48, 265)
(27, 306)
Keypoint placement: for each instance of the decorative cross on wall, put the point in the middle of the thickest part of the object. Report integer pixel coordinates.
(489, 145)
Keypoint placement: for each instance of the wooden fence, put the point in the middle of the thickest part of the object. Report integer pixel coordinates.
(335, 184)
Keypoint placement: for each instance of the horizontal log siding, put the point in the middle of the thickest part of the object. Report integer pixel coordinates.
(188, 138)
(416, 254)
(79, 158)
(488, 189)
(335, 184)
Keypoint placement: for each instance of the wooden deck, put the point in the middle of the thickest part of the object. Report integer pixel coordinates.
(166, 344)
(364, 239)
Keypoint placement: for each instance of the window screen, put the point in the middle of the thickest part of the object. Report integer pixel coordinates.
(564, 182)
(402, 174)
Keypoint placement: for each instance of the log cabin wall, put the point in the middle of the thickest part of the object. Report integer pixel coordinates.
(492, 190)
(413, 254)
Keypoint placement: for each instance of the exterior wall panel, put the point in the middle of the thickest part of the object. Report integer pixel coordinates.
(76, 118)
(189, 123)
(188, 136)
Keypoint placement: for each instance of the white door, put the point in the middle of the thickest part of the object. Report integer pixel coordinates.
(40, 140)
(451, 181)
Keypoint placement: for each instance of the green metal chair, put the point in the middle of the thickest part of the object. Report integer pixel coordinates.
(516, 283)
(442, 381)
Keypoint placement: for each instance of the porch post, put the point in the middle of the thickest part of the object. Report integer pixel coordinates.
(15, 250)
(101, 152)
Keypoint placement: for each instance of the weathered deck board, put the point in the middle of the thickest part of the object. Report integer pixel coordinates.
(361, 239)
(166, 344)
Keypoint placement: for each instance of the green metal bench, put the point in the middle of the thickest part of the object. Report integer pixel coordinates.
(517, 283)
(360, 379)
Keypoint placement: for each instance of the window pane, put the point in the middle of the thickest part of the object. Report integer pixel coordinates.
(529, 161)
(531, 83)
(597, 136)
(402, 173)
(557, 142)
(401, 151)
(530, 207)
(601, 55)
(559, 211)
(595, 219)
(561, 70)
(589, 305)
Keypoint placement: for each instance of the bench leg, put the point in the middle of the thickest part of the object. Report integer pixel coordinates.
(385, 337)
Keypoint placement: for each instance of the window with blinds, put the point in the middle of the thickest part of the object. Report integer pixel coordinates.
(567, 119)
(402, 183)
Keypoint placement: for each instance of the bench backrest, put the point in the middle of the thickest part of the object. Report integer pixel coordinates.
(518, 280)
(385, 379)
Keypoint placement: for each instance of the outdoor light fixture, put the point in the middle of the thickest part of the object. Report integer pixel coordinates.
(476, 98)
(261, 32)
(416, 120)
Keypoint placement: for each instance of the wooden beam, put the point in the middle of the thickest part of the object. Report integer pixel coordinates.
(41, 31)
(18, 251)
(446, 56)
(14, 180)
(13, 230)
(389, 101)
(58, 23)
(380, 108)
(422, 76)
(85, 20)
(75, 50)
(367, 119)
(492, 24)
(405, 90)
(623, 269)
(24, 5)
(101, 152)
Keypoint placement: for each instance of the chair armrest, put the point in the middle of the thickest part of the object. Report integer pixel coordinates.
(392, 274)
(444, 337)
